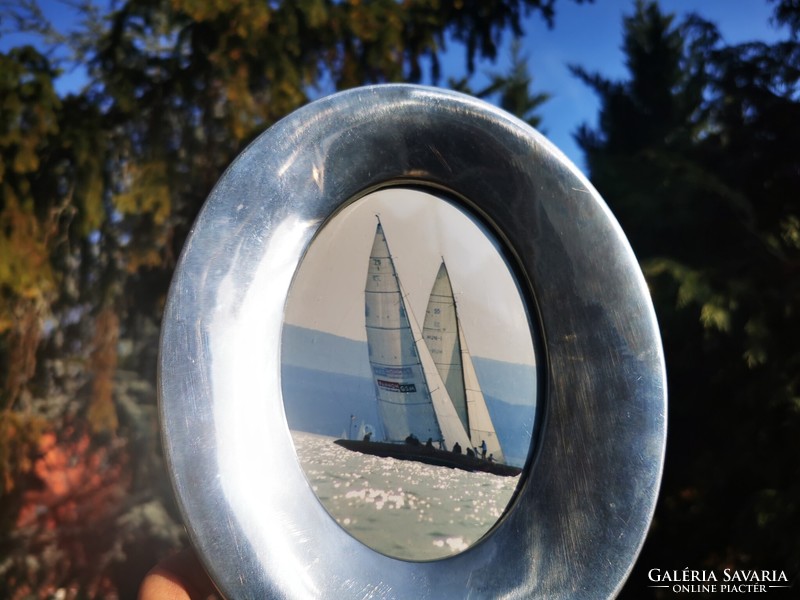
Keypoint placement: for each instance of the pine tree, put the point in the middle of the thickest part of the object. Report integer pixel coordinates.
(695, 154)
(510, 90)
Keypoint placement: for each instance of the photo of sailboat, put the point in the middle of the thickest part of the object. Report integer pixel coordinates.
(429, 400)
(406, 349)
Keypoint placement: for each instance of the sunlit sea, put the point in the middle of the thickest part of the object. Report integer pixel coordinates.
(404, 509)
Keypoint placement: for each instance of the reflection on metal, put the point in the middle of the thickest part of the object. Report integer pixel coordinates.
(589, 491)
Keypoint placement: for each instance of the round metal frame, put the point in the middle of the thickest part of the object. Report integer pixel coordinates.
(589, 490)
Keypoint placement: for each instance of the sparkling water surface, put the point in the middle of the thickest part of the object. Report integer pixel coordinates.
(402, 508)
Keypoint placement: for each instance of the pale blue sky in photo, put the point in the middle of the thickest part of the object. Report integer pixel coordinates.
(327, 293)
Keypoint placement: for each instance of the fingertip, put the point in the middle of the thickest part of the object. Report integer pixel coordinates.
(179, 577)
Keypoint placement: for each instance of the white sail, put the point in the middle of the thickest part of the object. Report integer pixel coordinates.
(444, 337)
(450, 423)
(440, 331)
(481, 427)
(405, 405)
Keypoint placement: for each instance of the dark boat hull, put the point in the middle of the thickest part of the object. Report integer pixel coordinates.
(430, 456)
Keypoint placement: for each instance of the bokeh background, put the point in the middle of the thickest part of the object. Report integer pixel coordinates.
(117, 118)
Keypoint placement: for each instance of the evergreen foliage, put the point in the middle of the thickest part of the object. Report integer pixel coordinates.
(696, 154)
(511, 91)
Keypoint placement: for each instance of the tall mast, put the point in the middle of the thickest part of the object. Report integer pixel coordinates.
(411, 397)
(445, 338)
(440, 331)
(404, 402)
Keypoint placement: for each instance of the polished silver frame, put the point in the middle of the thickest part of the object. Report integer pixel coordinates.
(589, 489)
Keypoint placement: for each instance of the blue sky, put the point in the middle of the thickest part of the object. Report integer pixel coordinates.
(589, 35)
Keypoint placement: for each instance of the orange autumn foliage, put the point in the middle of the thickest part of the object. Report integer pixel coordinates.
(80, 484)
